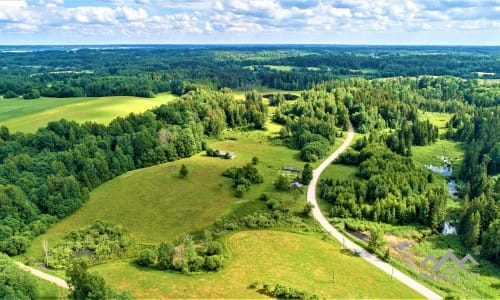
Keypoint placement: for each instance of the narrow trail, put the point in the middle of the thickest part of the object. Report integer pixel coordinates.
(55, 280)
(374, 260)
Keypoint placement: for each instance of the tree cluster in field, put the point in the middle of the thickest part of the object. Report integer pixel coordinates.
(243, 178)
(310, 124)
(94, 72)
(479, 221)
(280, 291)
(94, 243)
(86, 285)
(389, 189)
(47, 175)
(277, 214)
(15, 283)
(186, 256)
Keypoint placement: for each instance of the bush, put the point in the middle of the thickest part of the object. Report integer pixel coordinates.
(273, 204)
(214, 248)
(284, 292)
(10, 94)
(282, 183)
(196, 263)
(264, 197)
(183, 171)
(147, 257)
(32, 94)
(214, 262)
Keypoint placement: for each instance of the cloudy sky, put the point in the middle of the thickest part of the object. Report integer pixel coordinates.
(454, 22)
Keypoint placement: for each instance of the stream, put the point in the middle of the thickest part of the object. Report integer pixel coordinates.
(446, 170)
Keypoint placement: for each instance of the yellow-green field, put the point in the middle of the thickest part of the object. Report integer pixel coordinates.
(301, 261)
(29, 115)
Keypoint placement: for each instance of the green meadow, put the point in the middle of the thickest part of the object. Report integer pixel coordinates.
(302, 261)
(47, 290)
(433, 154)
(29, 115)
(154, 204)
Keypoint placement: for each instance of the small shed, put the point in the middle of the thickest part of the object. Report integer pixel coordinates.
(291, 169)
(296, 185)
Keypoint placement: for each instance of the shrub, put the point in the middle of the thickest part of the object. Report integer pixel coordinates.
(214, 262)
(264, 197)
(147, 257)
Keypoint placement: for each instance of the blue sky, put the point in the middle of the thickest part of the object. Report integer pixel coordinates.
(427, 22)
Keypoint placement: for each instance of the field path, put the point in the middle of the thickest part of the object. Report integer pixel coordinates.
(311, 198)
(55, 280)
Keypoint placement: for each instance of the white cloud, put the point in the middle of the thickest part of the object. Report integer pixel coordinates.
(156, 18)
(133, 14)
(13, 4)
(12, 10)
(91, 15)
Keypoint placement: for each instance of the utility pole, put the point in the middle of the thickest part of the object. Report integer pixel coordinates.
(45, 245)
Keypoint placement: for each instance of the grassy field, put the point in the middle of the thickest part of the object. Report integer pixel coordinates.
(301, 261)
(432, 154)
(29, 115)
(154, 204)
(47, 290)
(340, 172)
(436, 118)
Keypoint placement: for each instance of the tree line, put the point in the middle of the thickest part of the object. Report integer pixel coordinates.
(479, 221)
(148, 71)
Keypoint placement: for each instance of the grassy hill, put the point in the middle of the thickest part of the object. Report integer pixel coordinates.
(301, 261)
(29, 115)
(154, 204)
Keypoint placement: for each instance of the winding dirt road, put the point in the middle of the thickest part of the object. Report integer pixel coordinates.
(55, 280)
(311, 198)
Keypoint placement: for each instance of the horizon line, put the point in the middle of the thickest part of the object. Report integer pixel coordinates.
(256, 44)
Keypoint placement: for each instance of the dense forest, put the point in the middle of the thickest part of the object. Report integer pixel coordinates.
(145, 71)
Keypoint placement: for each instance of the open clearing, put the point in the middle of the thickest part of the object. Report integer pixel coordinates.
(29, 115)
(301, 261)
(154, 204)
(433, 154)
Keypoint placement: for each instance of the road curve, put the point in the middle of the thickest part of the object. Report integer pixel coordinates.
(311, 198)
(55, 280)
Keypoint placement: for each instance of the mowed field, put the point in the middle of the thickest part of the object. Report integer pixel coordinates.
(301, 261)
(29, 115)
